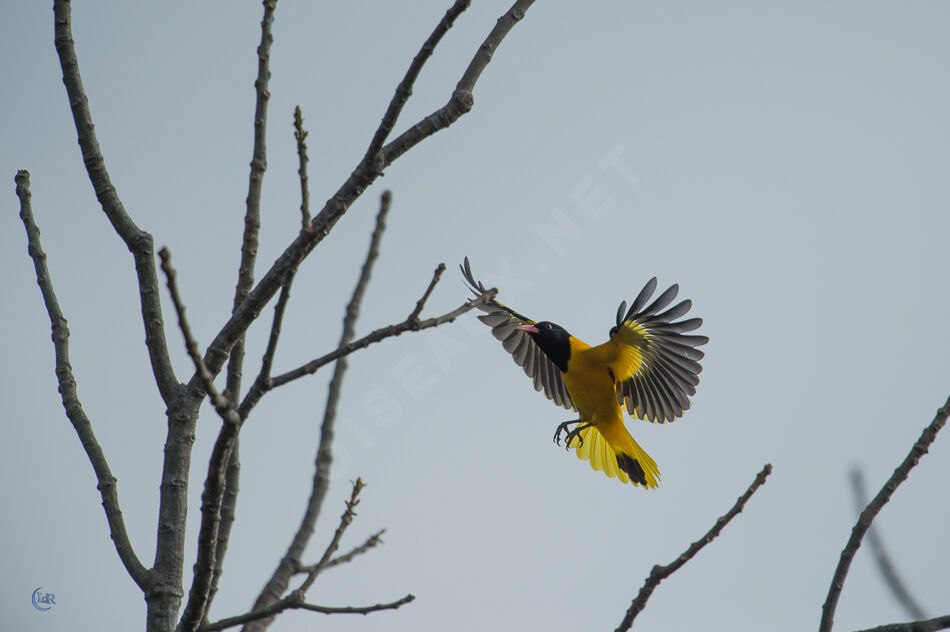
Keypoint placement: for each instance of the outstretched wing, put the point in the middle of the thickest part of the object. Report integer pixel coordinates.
(662, 367)
(528, 355)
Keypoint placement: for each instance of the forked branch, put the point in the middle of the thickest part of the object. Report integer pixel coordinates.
(883, 560)
(381, 334)
(215, 483)
(921, 446)
(363, 175)
(70, 394)
(659, 573)
(296, 599)
(290, 562)
(137, 240)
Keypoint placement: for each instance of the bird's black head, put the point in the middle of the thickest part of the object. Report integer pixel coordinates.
(554, 341)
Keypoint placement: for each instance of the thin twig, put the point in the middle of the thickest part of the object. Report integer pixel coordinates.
(929, 625)
(70, 394)
(221, 403)
(371, 541)
(345, 520)
(921, 446)
(421, 303)
(249, 246)
(232, 479)
(260, 616)
(280, 606)
(282, 575)
(883, 560)
(300, 134)
(659, 573)
(380, 335)
(252, 213)
(462, 99)
(360, 610)
(404, 89)
(215, 483)
(138, 241)
(267, 360)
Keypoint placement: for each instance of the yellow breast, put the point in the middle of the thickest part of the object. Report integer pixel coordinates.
(591, 382)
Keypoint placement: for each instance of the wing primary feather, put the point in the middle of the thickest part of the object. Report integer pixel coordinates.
(678, 328)
(511, 342)
(686, 365)
(521, 351)
(643, 405)
(542, 370)
(549, 388)
(620, 312)
(663, 399)
(673, 313)
(683, 351)
(683, 375)
(662, 301)
(642, 298)
(679, 388)
(672, 395)
(651, 401)
(529, 361)
(687, 340)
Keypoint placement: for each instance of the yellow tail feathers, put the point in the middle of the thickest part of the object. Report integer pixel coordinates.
(610, 448)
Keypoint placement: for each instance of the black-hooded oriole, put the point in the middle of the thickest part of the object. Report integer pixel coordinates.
(648, 364)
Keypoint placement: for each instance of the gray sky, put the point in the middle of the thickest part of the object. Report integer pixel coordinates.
(785, 163)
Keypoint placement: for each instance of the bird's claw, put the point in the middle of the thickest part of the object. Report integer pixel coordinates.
(575, 434)
(565, 428)
(571, 434)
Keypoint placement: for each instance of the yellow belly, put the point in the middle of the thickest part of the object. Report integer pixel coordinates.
(592, 387)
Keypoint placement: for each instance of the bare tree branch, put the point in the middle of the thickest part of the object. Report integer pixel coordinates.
(930, 625)
(921, 446)
(262, 382)
(404, 89)
(70, 394)
(345, 520)
(252, 214)
(214, 490)
(362, 609)
(659, 573)
(421, 303)
(136, 240)
(371, 542)
(884, 564)
(249, 247)
(260, 617)
(364, 175)
(221, 403)
(282, 575)
(462, 99)
(232, 478)
(300, 134)
(280, 606)
(379, 335)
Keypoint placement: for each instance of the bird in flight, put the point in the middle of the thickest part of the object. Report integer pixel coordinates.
(649, 365)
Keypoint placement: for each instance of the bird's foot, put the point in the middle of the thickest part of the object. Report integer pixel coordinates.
(571, 434)
(575, 434)
(564, 427)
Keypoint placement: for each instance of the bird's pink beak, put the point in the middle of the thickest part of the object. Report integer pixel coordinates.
(530, 329)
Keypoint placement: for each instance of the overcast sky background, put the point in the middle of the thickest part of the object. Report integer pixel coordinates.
(785, 163)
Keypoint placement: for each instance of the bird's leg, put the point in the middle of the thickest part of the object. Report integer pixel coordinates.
(575, 434)
(563, 427)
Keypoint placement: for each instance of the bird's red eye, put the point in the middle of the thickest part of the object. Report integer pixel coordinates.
(547, 326)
